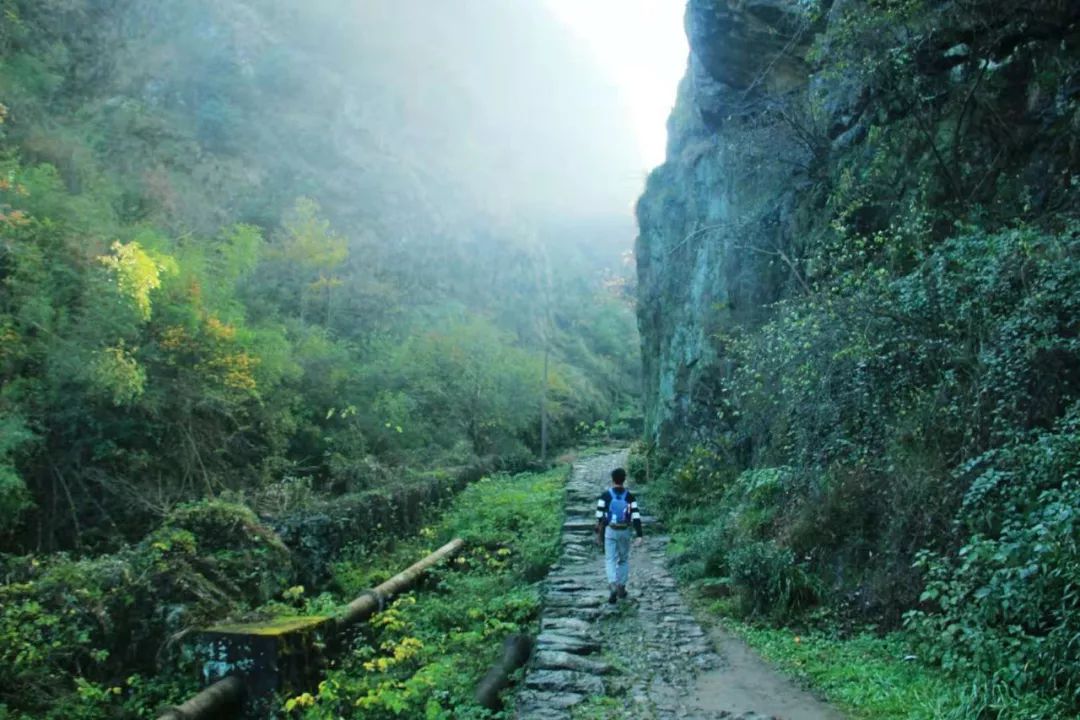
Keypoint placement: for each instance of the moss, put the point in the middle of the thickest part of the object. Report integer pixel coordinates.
(272, 628)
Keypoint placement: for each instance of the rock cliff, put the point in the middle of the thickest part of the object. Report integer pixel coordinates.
(780, 114)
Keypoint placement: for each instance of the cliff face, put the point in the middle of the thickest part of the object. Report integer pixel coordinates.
(771, 127)
(715, 215)
(859, 303)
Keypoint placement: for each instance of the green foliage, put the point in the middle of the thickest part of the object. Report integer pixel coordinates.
(1007, 604)
(914, 385)
(949, 359)
(220, 388)
(14, 497)
(423, 656)
(893, 357)
(727, 537)
(73, 629)
(638, 463)
(211, 299)
(770, 579)
(118, 374)
(465, 376)
(320, 530)
(919, 440)
(192, 303)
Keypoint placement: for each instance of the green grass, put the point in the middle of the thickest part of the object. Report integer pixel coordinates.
(867, 676)
(872, 677)
(600, 708)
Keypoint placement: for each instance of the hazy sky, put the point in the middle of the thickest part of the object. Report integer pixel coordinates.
(642, 46)
(540, 111)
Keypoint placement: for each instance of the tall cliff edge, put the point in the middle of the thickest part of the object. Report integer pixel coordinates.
(788, 111)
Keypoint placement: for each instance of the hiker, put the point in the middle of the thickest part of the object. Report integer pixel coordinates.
(616, 512)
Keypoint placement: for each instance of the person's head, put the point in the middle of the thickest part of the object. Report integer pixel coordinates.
(618, 477)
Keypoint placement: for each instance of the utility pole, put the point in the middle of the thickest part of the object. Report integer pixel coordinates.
(543, 268)
(543, 405)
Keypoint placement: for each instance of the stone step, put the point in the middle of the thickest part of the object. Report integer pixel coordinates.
(564, 681)
(542, 705)
(566, 625)
(559, 660)
(574, 600)
(550, 640)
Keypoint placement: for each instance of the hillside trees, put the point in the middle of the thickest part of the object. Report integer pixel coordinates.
(243, 271)
(202, 292)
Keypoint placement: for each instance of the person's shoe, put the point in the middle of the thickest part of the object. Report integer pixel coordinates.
(620, 591)
(613, 595)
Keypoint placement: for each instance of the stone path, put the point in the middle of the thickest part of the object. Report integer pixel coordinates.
(645, 658)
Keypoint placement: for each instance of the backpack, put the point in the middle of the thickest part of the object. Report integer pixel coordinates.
(618, 509)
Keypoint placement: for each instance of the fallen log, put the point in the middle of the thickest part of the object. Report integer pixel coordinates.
(220, 700)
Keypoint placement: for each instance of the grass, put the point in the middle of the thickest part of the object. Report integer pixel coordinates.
(600, 708)
(865, 675)
(879, 677)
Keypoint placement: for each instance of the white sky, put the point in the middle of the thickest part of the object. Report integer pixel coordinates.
(642, 46)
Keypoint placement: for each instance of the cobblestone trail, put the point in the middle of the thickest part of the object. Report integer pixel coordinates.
(645, 658)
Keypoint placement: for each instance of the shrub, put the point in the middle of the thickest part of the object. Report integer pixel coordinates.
(1007, 604)
(638, 463)
(769, 580)
(71, 630)
(319, 532)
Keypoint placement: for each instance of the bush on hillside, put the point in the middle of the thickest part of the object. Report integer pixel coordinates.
(1007, 603)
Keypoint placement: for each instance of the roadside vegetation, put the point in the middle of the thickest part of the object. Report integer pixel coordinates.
(892, 446)
(873, 676)
(102, 637)
(194, 304)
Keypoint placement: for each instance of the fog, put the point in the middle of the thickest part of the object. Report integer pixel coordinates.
(500, 97)
(270, 264)
(436, 116)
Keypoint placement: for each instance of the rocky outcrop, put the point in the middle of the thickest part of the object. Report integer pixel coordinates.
(716, 217)
(778, 99)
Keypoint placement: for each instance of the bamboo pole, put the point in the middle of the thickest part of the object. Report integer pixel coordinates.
(214, 701)
(370, 602)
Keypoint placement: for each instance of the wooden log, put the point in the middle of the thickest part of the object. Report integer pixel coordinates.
(220, 700)
(516, 650)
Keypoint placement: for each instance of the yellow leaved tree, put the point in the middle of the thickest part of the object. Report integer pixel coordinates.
(137, 272)
(312, 248)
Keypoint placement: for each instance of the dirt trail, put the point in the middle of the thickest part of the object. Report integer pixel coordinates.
(645, 658)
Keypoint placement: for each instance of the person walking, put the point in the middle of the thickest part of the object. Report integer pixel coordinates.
(616, 513)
